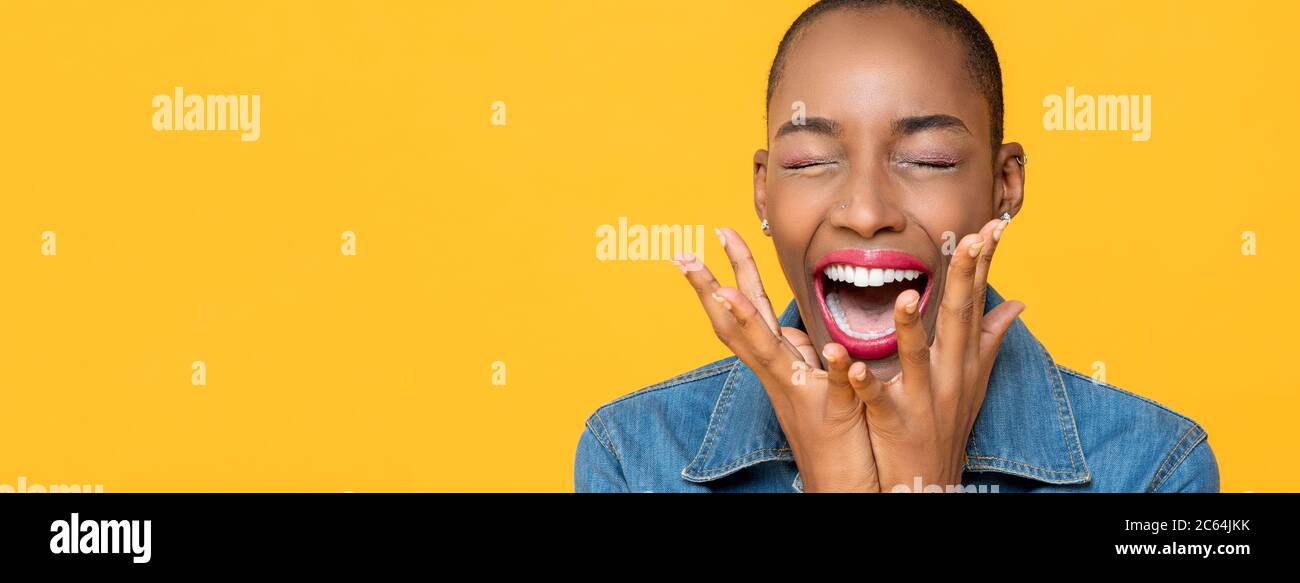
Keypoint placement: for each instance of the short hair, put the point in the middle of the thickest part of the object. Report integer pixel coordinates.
(981, 58)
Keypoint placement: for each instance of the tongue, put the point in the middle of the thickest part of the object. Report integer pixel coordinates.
(868, 309)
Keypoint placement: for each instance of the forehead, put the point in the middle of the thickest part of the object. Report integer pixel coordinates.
(876, 65)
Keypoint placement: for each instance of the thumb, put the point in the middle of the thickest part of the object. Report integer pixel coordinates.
(803, 344)
(994, 327)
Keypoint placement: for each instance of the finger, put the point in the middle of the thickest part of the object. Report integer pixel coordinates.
(702, 281)
(839, 396)
(991, 232)
(913, 347)
(867, 386)
(994, 329)
(769, 350)
(957, 311)
(747, 278)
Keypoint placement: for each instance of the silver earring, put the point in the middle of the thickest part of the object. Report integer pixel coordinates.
(1006, 217)
(1022, 160)
(763, 225)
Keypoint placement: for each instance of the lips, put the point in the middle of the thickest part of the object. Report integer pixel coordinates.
(857, 288)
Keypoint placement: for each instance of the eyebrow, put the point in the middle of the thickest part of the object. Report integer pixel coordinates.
(816, 125)
(901, 126)
(939, 121)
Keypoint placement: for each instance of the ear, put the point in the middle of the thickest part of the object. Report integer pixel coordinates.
(760, 184)
(1009, 179)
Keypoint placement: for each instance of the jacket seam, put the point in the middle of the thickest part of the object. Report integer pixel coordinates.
(603, 436)
(742, 462)
(1011, 462)
(720, 408)
(708, 370)
(726, 398)
(1123, 392)
(1161, 474)
(1057, 394)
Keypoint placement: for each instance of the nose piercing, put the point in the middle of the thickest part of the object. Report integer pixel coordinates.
(844, 205)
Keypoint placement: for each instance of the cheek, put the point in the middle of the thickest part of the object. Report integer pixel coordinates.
(794, 220)
(795, 214)
(948, 218)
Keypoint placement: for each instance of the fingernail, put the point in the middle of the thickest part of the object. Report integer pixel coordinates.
(911, 308)
(827, 353)
(997, 233)
(680, 266)
(862, 376)
(975, 249)
(720, 299)
(721, 238)
(688, 257)
(727, 305)
(677, 257)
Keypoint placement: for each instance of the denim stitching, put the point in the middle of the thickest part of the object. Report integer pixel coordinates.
(1199, 440)
(1123, 392)
(729, 389)
(1161, 474)
(612, 449)
(715, 421)
(1044, 470)
(742, 462)
(1057, 395)
(707, 370)
(1004, 464)
(1024, 474)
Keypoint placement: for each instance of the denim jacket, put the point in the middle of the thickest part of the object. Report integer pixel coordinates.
(1042, 428)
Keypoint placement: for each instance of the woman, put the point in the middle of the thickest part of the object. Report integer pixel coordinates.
(886, 194)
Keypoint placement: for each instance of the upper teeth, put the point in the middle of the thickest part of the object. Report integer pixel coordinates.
(868, 277)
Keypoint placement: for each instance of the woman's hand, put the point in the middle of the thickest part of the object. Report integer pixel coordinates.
(819, 411)
(919, 421)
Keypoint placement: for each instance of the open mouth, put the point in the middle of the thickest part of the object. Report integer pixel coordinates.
(857, 289)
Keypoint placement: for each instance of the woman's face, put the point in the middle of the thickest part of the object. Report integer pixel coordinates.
(889, 168)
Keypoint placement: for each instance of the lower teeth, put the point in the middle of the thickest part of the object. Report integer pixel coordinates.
(842, 320)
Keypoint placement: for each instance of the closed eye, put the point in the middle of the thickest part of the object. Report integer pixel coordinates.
(929, 164)
(805, 164)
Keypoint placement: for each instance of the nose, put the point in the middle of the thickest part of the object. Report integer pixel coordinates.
(868, 206)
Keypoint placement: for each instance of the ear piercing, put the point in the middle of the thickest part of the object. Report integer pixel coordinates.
(766, 228)
(1006, 217)
(1022, 160)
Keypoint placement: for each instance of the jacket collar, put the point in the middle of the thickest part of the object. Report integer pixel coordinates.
(1025, 426)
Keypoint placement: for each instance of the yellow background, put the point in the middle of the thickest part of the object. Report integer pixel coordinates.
(476, 243)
